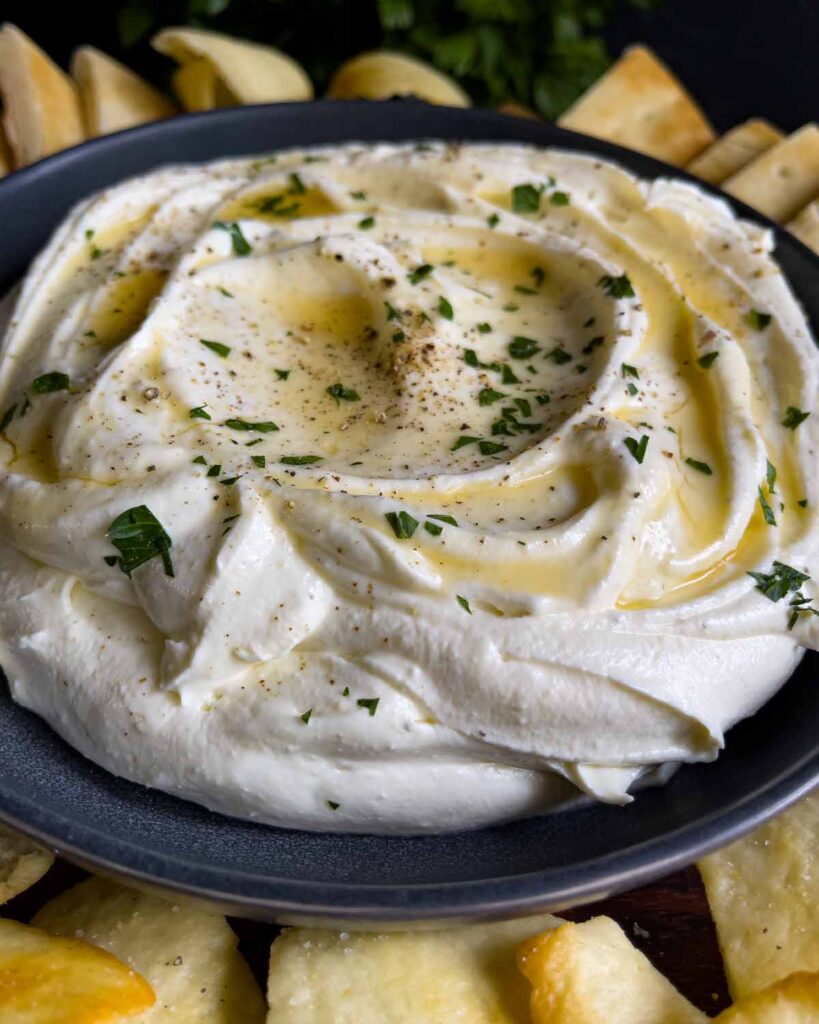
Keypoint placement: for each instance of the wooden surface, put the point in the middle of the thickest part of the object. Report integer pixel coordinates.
(669, 921)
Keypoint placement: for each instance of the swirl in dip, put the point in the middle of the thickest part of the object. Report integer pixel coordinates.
(400, 488)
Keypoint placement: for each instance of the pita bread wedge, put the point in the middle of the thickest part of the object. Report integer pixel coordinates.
(463, 975)
(242, 72)
(189, 957)
(112, 97)
(49, 980)
(764, 893)
(21, 864)
(782, 180)
(639, 103)
(380, 74)
(732, 151)
(41, 109)
(794, 1000)
(805, 225)
(591, 974)
(6, 161)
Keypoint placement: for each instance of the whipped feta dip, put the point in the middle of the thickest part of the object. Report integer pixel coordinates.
(404, 488)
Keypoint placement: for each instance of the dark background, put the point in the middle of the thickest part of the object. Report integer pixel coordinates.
(740, 58)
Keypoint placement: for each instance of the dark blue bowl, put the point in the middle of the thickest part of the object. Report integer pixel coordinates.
(52, 793)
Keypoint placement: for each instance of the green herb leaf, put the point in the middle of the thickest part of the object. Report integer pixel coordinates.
(592, 345)
(217, 347)
(525, 199)
(215, 469)
(297, 186)
(342, 394)
(491, 448)
(8, 416)
(637, 448)
(366, 223)
(484, 328)
(462, 601)
(261, 427)
(433, 528)
(306, 717)
(260, 461)
(558, 355)
(369, 703)
(524, 405)
(487, 396)
(701, 467)
(49, 382)
(445, 308)
(767, 511)
(770, 475)
(759, 321)
(559, 199)
(200, 460)
(629, 371)
(418, 275)
(402, 523)
(781, 581)
(523, 348)
(300, 460)
(138, 536)
(708, 359)
(199, 413)
(391, 312)
(241, 246)
(283, 374)
(617, 287)
(444, 519)
(333, 805)
(463, 441)
(493, 220)
(793, 417)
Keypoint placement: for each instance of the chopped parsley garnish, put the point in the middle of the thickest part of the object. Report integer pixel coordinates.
(256, 440)
(49, 382)
(483, 328)
(617, 287)
(524, 289)
(398, 336)
(781, 581)
(297, 186)
(445, 308)
(199, 413)
(493, 220)
(306, 716)
(433, 528)
(558, 356)
(259, 461)
(462, 601)
(508, 376)
(708, 359)
(543, 399)
(391, 312)
(200, 460)
(215, 469)
(767, 511)
(701, 467)
(592, 345)
(629, 371)
(342, 394)
(632, 389)
(559, 199)
(402, 523)
(360, 196)
(282, 374)
(488, 396)
(637, 448)
(333, 805)
(217, 347)
(262, 426)
(224, 291)
(418, 275)
(8, 416)
(802, 503)
(300, 460)
(366, 223)
(759, 321)
(138, 536)
(444, 519)
(770, 475)
(524, 405)
(539, 275)
(793, 417)
(370, 704)
(491, 448)
(522, 348)
(241, 246)
(229, 481)
(526, 199)
(463, 441)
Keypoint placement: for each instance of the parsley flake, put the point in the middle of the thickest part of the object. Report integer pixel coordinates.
(262, 427)
(300, 460)
(767, 511)
(637, 448)
(781, 581)
(418, 275)
(708, 359)
(49, 382)
(559, 199)
(139, 536)
(522, 348)
(445, 308)
(240, 244)
(216, 346)
(342, 394)
(402, 523)
(199, 413)
(370, 704)
(759, 321)
(526, 199)
(462, 601)
(793, 417)
(701, 467)
(617, 287)
(366, 223)
(488, 396)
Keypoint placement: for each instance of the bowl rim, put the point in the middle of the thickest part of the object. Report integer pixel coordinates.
(360, 902)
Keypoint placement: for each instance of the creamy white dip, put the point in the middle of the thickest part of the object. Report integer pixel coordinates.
(451, 465)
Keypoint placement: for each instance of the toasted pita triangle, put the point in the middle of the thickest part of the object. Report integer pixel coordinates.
(21, 864)
(244, 72)
(782, 180)
(42, 112)
(732, 151)
(805, 225)
(112, 97)
(639, 103)
(794, 1000)
(380, 74)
